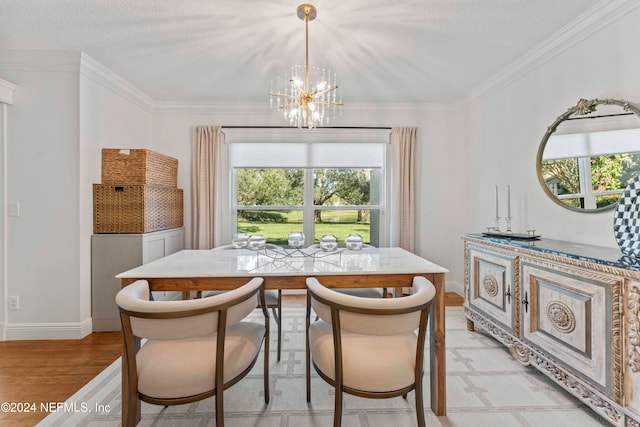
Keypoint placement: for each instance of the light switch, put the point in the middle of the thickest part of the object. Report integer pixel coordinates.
(14, 209)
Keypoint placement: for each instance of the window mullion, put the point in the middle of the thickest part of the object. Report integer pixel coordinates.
(308, 225)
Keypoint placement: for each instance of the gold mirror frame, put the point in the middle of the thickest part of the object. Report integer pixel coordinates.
(583, 107)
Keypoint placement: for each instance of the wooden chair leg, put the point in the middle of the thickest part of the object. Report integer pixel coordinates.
(419, 404)
(308, 368)
(219, 408)
(133, 415)
(277, 315)
(266, 369)
(337, 409)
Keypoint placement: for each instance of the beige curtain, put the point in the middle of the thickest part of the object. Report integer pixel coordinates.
(206, 193)
(403, 178)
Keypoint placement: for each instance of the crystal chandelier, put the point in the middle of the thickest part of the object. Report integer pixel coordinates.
(304, 100)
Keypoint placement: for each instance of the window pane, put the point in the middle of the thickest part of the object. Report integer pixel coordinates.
(339, 187)
(562, 176)
(274, 225)
(342, 223)
(270, 187)
(606, 200)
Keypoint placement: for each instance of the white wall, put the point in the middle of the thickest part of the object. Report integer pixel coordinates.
(503, 129)
(65, 108)
(42, 175)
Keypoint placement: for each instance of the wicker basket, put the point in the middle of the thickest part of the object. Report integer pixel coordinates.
(136, 208)
(138, 167)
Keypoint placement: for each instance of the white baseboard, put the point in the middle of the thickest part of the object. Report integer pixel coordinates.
(454, 287)
(48, 331)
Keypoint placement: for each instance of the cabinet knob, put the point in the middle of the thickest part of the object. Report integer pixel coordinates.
(508, 294)
(525, 301)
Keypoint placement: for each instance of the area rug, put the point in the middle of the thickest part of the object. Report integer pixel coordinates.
(485, 387)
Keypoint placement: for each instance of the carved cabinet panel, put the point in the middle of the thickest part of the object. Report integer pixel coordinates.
(490, 290)
(567, 313)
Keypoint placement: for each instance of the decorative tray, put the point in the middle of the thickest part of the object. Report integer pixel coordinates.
(515, 236)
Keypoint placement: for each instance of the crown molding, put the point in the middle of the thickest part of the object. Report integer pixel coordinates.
(40, 60)
(204, 107)
(97, 72)
(584, 26)
(6, 91)
(73, 62)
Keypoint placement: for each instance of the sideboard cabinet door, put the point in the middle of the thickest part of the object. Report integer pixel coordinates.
(567, 313)
(491, 287)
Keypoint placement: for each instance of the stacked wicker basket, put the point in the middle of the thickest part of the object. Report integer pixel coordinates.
(138, 193)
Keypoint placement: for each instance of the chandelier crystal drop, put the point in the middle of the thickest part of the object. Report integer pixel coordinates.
(307, 96)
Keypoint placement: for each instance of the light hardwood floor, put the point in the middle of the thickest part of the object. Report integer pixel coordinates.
(45, 372)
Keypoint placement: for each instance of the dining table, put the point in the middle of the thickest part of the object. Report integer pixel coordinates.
(227, 268)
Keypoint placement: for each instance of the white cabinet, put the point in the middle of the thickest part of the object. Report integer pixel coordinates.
(574, 315)
(111, 254)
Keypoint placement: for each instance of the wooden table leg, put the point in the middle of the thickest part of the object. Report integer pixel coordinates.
(438, 349)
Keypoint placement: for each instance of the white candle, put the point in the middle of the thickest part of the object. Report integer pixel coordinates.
(509, 201)
(497, 212)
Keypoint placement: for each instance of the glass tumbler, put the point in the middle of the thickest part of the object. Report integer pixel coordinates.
(328, 243)
(256, 242)
(296, 239)
(239, 241)
(354, 242)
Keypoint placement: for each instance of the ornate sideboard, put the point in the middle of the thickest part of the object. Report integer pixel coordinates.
(570, 310)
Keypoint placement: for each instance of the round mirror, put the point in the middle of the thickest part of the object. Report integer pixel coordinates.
(589, 154)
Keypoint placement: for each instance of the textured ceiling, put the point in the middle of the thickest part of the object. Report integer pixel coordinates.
(230, 50)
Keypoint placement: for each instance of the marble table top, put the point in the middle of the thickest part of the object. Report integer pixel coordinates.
(229, 262)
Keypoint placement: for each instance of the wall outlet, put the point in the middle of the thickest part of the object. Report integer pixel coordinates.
(14, 303)
(14, 209)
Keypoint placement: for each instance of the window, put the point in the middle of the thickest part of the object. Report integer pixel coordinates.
(315, 187)
(339, 201)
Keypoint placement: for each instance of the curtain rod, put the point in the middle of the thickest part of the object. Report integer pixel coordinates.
(294, 127)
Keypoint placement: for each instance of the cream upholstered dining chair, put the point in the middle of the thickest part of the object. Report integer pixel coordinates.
(368, 347)
(272, 297)
(273, 300)
(357, 292)
(193, 349)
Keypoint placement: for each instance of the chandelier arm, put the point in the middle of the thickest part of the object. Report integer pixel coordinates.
(283, 95)
(327, 90)
(291, 104)
(328, 103)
